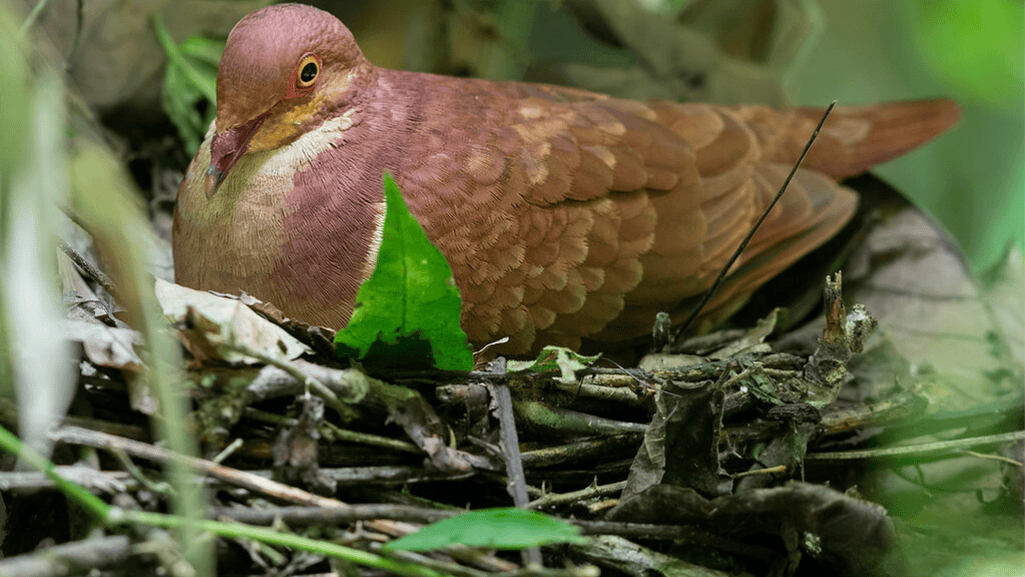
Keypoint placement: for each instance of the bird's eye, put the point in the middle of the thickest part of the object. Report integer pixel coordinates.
(308, 70)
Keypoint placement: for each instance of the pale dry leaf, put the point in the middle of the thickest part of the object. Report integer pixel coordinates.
(107, 346)
(224, 321)
(914, 280)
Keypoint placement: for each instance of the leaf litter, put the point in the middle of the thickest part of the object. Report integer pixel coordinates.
(759, 450)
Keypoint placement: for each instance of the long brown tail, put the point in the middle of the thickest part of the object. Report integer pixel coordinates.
(854, 138)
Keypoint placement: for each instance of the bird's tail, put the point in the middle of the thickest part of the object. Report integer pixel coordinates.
(854, 138)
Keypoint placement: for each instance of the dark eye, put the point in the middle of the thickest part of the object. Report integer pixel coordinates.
(309, 73)
(309, 69)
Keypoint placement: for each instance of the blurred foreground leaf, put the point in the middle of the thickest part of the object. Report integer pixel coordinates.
(493, 529)
(109, 209)
(34, 354)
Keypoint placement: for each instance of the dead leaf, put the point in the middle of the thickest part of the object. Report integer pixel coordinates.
(845, 535)
(107, 346)
(681, 445)
(222, 321)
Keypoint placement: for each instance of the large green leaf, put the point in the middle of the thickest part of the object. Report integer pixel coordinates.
(492, 529)
(407, 312)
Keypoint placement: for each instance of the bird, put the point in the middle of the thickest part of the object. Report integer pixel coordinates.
(565, 215)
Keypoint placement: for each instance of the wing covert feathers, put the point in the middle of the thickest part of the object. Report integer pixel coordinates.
(606, 211)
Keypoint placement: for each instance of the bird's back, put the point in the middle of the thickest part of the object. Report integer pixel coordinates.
(569, 214)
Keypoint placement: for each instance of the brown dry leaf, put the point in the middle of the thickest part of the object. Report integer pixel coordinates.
(295, 450)
(957, 340)
(842, 531)
(681, 445)
(423, 426)
(321, 339)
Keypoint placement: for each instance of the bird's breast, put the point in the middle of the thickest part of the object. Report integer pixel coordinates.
(288, 226)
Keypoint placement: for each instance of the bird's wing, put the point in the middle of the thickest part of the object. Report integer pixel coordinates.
(559, 209)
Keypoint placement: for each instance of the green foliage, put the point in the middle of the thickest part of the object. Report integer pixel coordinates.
(551, 359)
(190, 78)
(493, 529)
(407, 312)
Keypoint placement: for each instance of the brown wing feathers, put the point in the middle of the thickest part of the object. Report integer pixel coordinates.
(631, 207)
(739, 158)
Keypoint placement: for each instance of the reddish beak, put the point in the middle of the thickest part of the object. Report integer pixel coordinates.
(225, 150)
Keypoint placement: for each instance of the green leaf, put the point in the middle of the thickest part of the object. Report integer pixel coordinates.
(206, 53)
(552, 359)
(190, 78)
(493, 529)
(407, 312)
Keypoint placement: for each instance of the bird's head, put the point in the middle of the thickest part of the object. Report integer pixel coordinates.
(285, 69)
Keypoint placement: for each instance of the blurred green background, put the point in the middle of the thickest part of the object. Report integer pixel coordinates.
(971, 180)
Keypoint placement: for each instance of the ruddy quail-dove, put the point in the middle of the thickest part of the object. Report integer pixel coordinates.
(564, 214)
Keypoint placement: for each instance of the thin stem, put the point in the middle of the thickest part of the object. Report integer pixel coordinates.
(743, 245)
(32, 17)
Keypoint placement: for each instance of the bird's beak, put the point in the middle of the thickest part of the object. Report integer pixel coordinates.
(225, 150)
